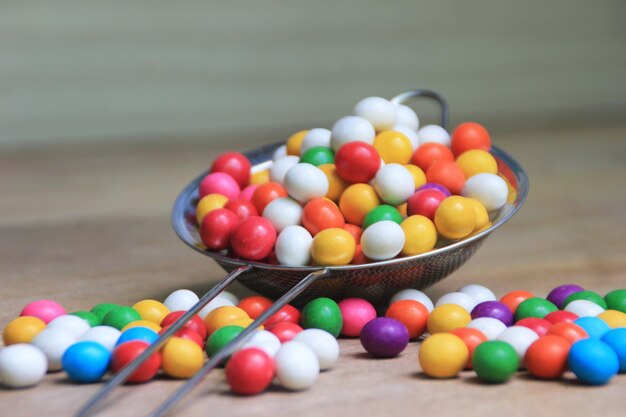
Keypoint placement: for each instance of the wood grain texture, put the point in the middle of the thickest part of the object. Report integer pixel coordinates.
(90, 224)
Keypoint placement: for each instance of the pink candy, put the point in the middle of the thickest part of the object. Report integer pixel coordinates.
(47, 310)
(219, 183)
(356, 313)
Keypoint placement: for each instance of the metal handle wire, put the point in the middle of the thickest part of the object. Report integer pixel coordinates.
(408, 96)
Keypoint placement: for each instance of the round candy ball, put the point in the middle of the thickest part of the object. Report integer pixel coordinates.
(537, 325)
(588, 295)
(249, 371)
(394, 183)
(561, 316)
(479, 293)
(406, 117)
(425, 203)
(488, 189)
(152, 310)
(321, 213)
(520, 338)
(534, 307)
(412, 314)
(100, 310)
(53, 343)
(472, 338)
(88, 316)
(293, 246)
(128, 352)
(393, 147)
(420, 235)
(208, 203)
(616, 300)
(495, 361)
(357, 162)
(455, 217)
(434, 133)
(494, 309)
(613, 318)
(323, 344)
(219, 183)
(295, 141)
(477, 161)
(356, 201)
(234, 164)
(72, 324)
(46, 310)
(318, 155)
(546, 358)
(356, 312)
(281, 166)
(334, 246)
(120, 317)
(593, 361)
(382, 240)
(283, 212)
(181, 358)
(428, 153)
(459, 298)
(318, 137)
(195, 323)
(380, 213)
(104, 335)
(447, 173)
(265, 193)
(616, 338)
(221, 316)
(242, 208)
(384, 337)
(305, 182)
(584, 308)
(413, 294)
(568, 331)
(220, 338)
(593, 326)
(264, 340)
(470, 135)
(253, 238)
(138, 333)
(558, 295)
(322, 313)
(490, 326)
(336, 184)
(447, 317)
(179, 300)
(217, 227)
(443, 355)
(86, 361)
(22, 365)
(285, 331)
(297, 366)
(22, 330)
(514, 298)
(351, 129)
(380, 112)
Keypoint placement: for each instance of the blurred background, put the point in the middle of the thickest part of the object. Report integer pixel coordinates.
(148, 71)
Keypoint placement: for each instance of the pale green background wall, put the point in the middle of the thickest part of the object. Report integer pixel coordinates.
(83, 70)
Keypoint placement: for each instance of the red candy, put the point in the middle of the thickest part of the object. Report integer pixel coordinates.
(430, 152)
(253, 238)
(186, 333)
(425, 202)
(234, 164)
(265, 194)
(249, 371)
(447, 173)
(286, 313)
(568, 331)
(354, 230)
(561, 316)
(127, 352)
(284, 330)
(242, 208)
(468, 136)
(217, 227)
(320, 214)
(255, 305)
(357, 162)
(537, 325)
(195, 323)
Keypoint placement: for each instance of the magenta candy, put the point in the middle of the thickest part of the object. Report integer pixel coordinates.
(493, 309)
(384, 337)
(247, 192)
(558, 295)
(219, 183)
(356, 313)
(434, 186)
(46, 310)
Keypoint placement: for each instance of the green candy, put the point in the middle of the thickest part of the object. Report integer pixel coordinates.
(322, 313)
(534, 307)
(100, 310)
(220, 338)
(616, 300)
(89, 317)
(380, 213)
(119, 317)
(495, 361)
(318, 155)
(594, 297)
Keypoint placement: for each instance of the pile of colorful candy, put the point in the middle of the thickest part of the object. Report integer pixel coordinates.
(372, 188)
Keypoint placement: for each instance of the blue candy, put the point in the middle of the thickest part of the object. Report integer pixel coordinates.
(593, 361)
(616, 338)
(86, 361)
(595, 327)
(138, 333)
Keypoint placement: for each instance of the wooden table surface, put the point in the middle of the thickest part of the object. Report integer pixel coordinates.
(84, 225)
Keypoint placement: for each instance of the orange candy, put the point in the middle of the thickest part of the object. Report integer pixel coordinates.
(568, 331)
(321, 213)
(468, 136)
(356, 201)
(546, 358)
(412, 314)
(336, 184)
(471, 337)
(430, 152)
(255, 305)
(447, 173)
(354, 230)
(266, 193)
(515, 298)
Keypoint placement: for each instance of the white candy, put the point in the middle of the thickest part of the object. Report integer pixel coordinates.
(584, 308)
(459, 298)
(415, 141)
(351, 129)
(315, 137)
(72, 324)
(434, 133)
(406, 118)
(412, 294)
(219, 301)
(520, 338)
(394, 184)
(281, 166)
(380, 112)
(489, 189)
(305, 182)
(491, 327)
(280, 152)
(323, 344)
(382, 240)
(297, 366)
(293, 246)
(264, 340)
(105, 335)
(53, 342)
(283, 212)
(230, 296)
(181, 300)
(22, 365)
(478, 292)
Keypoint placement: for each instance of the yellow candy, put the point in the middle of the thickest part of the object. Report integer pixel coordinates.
(443, 355)
(512, 191)
(260, 177)
(242, 322)
(22, 330)
(356, 201)
(143, 323)
(482, 217)
(295, 141)
(221, 316)
(393, 147)
(447, 317)
(614, 318)
(420, 235)
(209, 202)
(402, 209)
(336, 184)
(455, 217)
(152, 310)
(418, 174)
(477, 161)
(181, 358)
(333, 246)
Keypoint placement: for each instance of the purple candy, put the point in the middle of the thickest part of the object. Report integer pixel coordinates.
(384, 337)
(559, 294)
(493, 309)
(435, 186)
